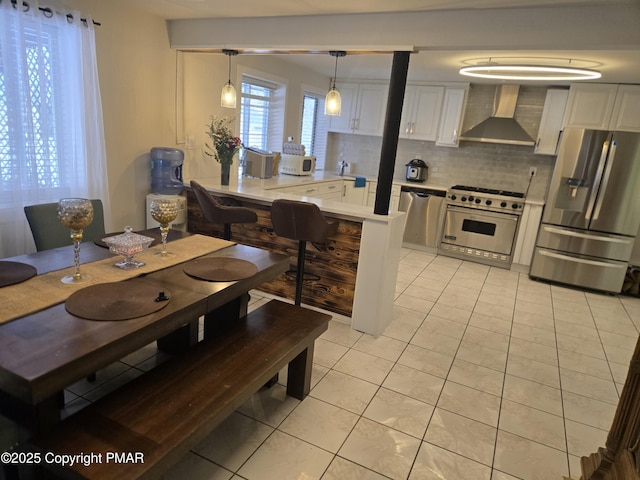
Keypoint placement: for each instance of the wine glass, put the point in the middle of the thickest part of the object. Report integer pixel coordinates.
(75, 214)
(164, 211)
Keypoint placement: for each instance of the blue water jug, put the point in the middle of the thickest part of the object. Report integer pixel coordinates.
(166, 171)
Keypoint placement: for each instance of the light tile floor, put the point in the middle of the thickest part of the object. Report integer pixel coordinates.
(483, 374)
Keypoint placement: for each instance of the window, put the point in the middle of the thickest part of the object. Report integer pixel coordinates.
(314, 127)
(51, 137)
(43, 167)
(262, 113)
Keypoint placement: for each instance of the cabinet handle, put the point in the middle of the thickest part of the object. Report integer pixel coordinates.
(309, 190)
(455, 135)
(408, 128)
(332, 186)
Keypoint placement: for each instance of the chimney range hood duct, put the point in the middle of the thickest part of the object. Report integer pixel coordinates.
(501, 127)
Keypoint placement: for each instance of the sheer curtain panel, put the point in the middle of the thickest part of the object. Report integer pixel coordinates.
(51, 132)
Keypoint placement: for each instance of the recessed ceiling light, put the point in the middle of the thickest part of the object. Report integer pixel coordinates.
(529, 72)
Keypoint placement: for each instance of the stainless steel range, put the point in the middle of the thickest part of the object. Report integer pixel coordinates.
(481, 224)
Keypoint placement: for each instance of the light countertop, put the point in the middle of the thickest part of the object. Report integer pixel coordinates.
(265, 190)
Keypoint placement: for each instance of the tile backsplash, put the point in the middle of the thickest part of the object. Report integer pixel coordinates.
(472, 163)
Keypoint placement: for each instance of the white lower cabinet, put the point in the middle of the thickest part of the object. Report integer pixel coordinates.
(353, 194)
(527, 234)
(395, 196)
(325, 190)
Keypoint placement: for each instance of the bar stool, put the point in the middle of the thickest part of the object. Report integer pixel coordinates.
(215, 212)
(304, 222)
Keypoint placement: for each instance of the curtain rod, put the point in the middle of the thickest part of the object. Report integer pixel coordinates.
(48, 12)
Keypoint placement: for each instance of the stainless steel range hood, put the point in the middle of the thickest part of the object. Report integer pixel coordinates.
(501, 127)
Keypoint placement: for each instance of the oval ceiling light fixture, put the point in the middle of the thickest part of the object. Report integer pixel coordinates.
(333, 100)
(529, 72)
(228, 96)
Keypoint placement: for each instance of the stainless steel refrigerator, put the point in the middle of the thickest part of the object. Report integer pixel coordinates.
(592, 212)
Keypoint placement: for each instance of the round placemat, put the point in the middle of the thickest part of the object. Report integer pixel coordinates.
(116, 301)
(15, 272)
(220, 269)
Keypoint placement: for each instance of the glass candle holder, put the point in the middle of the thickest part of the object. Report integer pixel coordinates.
(164, 211)
(75, 214)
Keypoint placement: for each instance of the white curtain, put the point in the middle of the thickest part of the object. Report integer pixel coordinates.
(51, 132)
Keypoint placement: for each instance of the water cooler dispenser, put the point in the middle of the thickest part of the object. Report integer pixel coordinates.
(166, 183)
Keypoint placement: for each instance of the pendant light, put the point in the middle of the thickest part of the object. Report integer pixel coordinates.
(228, 96)
(333, 101)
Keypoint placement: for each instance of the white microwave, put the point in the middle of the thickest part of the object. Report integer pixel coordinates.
(297, 164)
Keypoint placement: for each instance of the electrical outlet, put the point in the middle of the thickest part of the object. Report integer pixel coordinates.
(532, 171)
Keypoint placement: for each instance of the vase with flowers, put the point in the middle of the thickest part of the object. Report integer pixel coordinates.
(225, 144)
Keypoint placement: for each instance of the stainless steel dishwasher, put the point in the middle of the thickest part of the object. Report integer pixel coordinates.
(425, 210)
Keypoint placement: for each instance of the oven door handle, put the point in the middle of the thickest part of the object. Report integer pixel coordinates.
(481, 211)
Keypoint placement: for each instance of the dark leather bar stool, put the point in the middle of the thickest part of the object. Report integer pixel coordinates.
(304, 222)
(216, 212)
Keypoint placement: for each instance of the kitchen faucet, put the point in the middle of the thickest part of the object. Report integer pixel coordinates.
(342, 165)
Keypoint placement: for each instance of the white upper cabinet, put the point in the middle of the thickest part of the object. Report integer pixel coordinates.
(551, 123)
(452, 108)
(421, 112)
(626, 111)
(363, 108)
(349, 97)
(590, 105)
(604, 107)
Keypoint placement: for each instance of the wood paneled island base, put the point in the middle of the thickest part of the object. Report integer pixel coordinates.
(335, 262)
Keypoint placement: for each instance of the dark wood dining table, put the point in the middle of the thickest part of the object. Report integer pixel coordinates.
(44, 352)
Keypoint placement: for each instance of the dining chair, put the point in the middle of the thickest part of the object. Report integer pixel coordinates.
(215, 212)
(49, 233)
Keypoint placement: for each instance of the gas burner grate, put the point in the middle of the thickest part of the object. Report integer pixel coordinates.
(489, 191)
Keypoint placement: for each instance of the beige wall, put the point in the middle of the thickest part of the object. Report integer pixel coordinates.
(137, 83)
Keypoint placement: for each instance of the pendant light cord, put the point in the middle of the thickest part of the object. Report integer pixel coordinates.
(335, 72)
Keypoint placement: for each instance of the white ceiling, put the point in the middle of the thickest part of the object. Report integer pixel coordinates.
(618, 63)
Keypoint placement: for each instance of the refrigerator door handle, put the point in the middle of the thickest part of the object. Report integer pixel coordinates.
(596, 182)
(584, 261)
(605, 180)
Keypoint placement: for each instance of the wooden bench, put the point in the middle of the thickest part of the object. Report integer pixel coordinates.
(173, 407)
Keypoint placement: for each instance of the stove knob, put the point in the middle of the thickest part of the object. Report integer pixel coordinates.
(478, 200)
(471, 198)
(503, 204)
(488, 202)
(464, 199)
(453, 197)
(515, 205)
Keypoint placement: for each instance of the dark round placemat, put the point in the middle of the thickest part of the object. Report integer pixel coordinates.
(15, 272)
(220, 269)
(116, 301)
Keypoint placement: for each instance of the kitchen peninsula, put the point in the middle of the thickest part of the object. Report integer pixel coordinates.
(357, 267)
